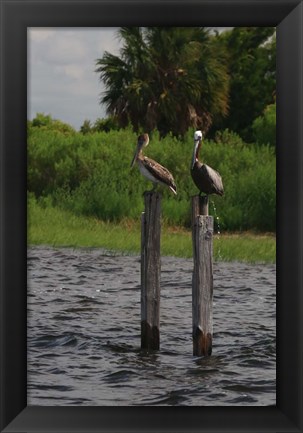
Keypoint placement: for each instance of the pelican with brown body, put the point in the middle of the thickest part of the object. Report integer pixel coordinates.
(207, 180)
(151, 169)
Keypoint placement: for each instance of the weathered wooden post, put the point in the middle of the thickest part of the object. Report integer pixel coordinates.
(202, 282)
(150, 272)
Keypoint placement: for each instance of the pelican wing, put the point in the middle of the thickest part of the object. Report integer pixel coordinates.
(160, 173)
(214, 179)
(207, 179)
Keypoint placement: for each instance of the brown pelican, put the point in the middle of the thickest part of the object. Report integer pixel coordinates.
(205, 178)
(151, 169)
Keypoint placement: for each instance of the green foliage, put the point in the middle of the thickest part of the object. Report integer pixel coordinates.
(252, 71)
(101, 125)
(165, 78)
(264, 127)
(46, 122)
(86, 128)
(171, 78)
(42, 120)
(109, 124)
(90, 175)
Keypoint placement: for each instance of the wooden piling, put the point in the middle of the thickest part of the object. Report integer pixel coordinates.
(202, 282)
(150, 272)
(199, 206)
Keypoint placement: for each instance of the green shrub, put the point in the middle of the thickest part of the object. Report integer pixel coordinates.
(106, 125)
(264, 127)
(90, 174)
(46, 122)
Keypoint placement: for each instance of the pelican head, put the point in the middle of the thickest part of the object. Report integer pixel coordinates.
(142, 142)
(197, 143)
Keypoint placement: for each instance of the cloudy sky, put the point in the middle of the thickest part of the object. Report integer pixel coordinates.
(61, 77)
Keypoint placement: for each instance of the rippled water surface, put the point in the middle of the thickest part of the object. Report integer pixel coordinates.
(84, 333)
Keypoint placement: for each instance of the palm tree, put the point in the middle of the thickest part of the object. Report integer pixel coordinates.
(169, 78)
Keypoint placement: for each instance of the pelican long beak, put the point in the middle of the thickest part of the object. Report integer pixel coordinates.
(135, 157)
(196, 145)
(143, 140)
(138, 150)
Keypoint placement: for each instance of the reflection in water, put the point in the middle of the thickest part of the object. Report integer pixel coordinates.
(84, 333)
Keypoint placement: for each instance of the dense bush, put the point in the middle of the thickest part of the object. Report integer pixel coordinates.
(46, 122)
(90, 174)
(101, 125)
(264, 127)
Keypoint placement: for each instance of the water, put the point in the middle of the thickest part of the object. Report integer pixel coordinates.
(217, 228)
(84, 333)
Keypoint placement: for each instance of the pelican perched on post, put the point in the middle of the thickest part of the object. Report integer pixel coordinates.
(151, 169)
(205, 178)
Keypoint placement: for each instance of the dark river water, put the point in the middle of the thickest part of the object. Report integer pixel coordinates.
(84, 333)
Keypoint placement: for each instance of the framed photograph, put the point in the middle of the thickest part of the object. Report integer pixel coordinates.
(22, 410)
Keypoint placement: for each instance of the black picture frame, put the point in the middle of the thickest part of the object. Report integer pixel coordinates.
(16, 17)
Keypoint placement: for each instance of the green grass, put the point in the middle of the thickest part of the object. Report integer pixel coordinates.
(52, 226)
(58, 228)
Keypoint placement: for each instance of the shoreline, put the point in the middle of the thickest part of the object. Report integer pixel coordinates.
(57, 228)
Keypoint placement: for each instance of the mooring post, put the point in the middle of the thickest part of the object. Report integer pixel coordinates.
(199, 206)
(202, 282)
(150, 272)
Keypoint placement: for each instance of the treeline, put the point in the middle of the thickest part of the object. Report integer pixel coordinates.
(173, 78)
(89, 174)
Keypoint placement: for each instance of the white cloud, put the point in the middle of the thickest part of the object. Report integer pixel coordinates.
(61, 77)
(65, 48)
(73, 71)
